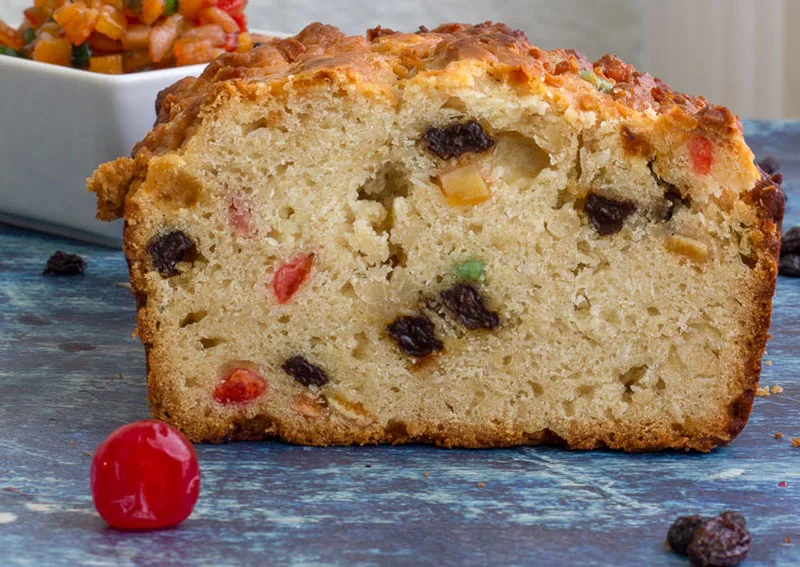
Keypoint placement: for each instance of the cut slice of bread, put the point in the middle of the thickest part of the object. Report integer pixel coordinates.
(450, 237)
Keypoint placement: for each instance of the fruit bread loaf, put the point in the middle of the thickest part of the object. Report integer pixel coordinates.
(450, 237)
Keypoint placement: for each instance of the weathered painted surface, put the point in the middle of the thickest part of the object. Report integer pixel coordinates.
(70, 372)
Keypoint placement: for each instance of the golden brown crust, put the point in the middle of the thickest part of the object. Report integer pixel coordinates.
(383, 58)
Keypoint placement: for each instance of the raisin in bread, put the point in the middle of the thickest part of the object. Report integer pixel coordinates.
(449, 236)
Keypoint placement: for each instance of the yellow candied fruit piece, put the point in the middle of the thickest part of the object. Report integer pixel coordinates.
(692, 248)
(464, 186)
(107, 64)
(111, 23)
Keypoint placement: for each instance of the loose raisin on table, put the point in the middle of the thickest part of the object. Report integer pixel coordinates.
(457, 139)
(606, 214)
(64, 264)
(304, 372)
(682, 531)
(769, 164)
(720, 542)
(789, 263)
(465, 302)
(169, 249)
(416, 336)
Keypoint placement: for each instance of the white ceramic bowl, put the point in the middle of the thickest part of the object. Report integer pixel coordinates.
(56, 125)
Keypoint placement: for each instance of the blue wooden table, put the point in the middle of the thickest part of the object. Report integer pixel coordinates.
(70, 372)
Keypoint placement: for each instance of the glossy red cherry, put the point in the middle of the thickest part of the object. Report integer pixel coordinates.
(145, 476)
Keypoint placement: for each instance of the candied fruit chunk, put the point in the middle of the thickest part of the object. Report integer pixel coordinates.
(471, 270)
(193, 51)
(457, 139)
(162, 38)
(55, 50)
(464, 186)
(106, 64)
(307, 406)
(190, 9)
(691, 248)
(465, 302)
(152, 10)
(415, 335)
(64, 264)
(111, 23)
(167, 250)
(682, 531)
(607, 215)
(290, 275)
(303, 371)
(78, 21)
(213, 15)
(136, 37)
(240, 217)
(701, 154)
(10, 37)
(240, 386)
(720, 542)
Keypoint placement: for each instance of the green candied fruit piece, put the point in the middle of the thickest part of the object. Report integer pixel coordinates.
(81, 55)
(170, 7)
(28, 35)
(10, 52)
(471, 270)
(598, 83)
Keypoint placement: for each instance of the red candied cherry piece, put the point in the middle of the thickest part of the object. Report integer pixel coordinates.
(701, 152)
(240, 386)
(290, 276)
(145, 476)
(240, 216)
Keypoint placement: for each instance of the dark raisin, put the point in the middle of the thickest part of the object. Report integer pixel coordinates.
(769, 164)
(789, 263)
(457, 139)
(719, 542)
(169, 249)
(466, 303)
(304, 372)
(606, 214)
(64, 264)
(416, 336)
(682, 531)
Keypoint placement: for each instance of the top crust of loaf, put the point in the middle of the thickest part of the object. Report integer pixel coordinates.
(384, 61)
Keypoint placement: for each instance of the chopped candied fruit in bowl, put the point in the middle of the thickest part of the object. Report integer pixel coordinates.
(126, 36)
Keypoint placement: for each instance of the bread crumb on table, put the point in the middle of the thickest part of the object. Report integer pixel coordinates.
(787, 540)
(481, 484)
(776, 389)
(762, 392)
(768, 362)
(795, 441)
(779, 435)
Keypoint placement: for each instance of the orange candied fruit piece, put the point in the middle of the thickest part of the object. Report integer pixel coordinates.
(106, 64)
(111, 23)
(10, 37)
(55, 50)
(193, 51)
(36, 16)
(152, 10)
(190, 9)
(245, 42)
(77, 20)
(136, 36)
(133, 61)
(213, 15)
